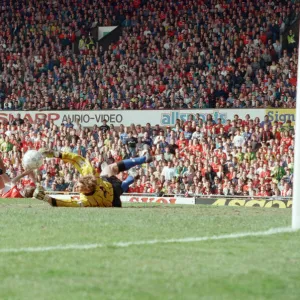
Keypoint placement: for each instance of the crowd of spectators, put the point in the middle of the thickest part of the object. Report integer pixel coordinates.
(172, 54)
(249, 157)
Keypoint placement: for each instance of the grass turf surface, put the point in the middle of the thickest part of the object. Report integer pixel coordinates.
(265, 267)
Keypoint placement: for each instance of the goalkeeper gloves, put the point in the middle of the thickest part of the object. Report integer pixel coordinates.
(39, 194)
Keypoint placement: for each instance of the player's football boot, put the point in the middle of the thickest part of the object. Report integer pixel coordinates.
(149, 158)
(39, 193)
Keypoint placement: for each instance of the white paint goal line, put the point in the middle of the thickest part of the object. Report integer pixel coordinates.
(147, 242)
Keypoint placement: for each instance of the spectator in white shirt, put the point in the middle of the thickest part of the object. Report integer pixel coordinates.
(168, 171)
(197, 134)
(238, 139)
(159, 138)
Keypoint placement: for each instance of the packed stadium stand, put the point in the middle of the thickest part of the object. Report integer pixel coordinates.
(249, 157)
(171, 55)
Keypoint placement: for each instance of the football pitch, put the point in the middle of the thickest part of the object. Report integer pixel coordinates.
(128, 253)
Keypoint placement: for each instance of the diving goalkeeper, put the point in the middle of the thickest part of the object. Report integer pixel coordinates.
(95, 191)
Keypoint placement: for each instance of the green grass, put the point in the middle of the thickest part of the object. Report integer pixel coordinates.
(246, 268)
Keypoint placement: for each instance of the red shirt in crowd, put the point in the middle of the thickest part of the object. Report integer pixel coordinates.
(181, 143)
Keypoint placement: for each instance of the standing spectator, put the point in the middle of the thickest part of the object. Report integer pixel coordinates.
(82, 46)
(131, 143)
(278, 48)
(168, 172)
(69, 123)
(6, 146)
(238, 139)
(291, 40)
(104, 127)
(147, 141)
(17, 120)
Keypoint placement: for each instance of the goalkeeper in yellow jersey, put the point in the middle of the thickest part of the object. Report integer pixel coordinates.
(95, 190)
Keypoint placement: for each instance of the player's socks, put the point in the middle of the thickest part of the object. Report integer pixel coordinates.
(127, 164)
(126, 183)
(132, 162)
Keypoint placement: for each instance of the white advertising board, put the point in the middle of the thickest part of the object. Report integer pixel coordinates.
(165, 200)
(116, 117)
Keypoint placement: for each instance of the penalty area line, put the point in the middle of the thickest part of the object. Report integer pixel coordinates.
(147, 242)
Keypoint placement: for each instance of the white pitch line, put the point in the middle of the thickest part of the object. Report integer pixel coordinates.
(149, 242)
